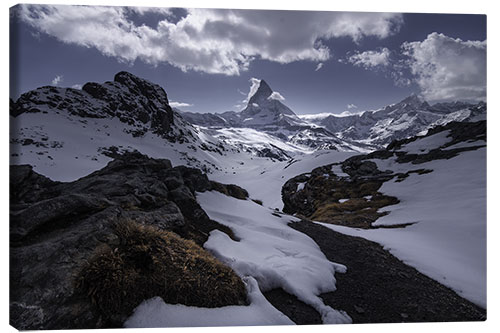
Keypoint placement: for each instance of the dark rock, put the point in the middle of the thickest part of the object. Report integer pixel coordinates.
(56, 227)
(133, 100)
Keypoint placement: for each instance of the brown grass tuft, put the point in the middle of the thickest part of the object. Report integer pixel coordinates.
(230, 189)
(150, 262)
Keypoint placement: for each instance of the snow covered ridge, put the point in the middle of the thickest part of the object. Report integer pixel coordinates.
(265, 112)
(407, 118)
(363, 131)
(422, 198)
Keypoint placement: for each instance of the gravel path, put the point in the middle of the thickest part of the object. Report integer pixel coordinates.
(378, 287)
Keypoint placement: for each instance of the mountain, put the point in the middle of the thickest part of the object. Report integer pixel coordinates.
(407, 118)
(134, 101)
(66, 133)
(266, 113)
(264, 110)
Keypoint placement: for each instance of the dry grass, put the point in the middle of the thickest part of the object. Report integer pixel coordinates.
(230, 189)
(357, 211)
(258, 202)
(150, 262)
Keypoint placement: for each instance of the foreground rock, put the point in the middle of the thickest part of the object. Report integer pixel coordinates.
(56, 229)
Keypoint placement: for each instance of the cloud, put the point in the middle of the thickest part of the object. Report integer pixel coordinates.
(320, 65)
(255, 83)
(350, 113)
(448, 69)
(58, 79)
(219, 41)
(371, 59)
(179, 104)
(351, 106)
(277, 96)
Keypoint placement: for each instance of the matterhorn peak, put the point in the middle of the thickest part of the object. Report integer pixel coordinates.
(261, 94)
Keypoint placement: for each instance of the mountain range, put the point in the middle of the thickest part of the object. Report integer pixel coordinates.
(54, 127)
(368, 129)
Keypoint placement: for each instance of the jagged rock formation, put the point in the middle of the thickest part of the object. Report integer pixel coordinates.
(134, 101)
(56, 227)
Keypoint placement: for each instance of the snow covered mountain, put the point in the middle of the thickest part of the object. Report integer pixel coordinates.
(66, 133)
(407, 118)
(266, 113)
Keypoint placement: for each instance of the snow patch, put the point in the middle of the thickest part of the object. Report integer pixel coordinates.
(300, 186)
(426, 144)
(156, 313)
(276, 255)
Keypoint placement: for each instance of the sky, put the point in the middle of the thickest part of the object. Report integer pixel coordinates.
(206, 59)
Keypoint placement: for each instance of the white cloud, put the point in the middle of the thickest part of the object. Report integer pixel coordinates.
(77, 86)
(58, 79)
(179, 104)
(209, 40)
(351, 106)
(448, 69)
(371, 59)
(277, 96)
(350, 113)
(320, 65)
(255, 84)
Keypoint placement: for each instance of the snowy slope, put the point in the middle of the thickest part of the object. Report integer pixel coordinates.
(447, 212)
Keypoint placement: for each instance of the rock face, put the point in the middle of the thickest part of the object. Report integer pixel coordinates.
(55, 227)
(133, 100)
(347, 193)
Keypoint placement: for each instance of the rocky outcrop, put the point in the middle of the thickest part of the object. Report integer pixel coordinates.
(347, 193)
(56, 228)
(133, 100)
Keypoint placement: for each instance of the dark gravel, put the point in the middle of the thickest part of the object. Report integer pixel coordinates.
(378, 287)
(293, 308)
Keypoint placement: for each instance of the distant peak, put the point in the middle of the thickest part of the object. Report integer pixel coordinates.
(414, 100)
(262, 91)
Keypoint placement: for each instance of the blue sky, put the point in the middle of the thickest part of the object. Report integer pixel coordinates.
(319, 61)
